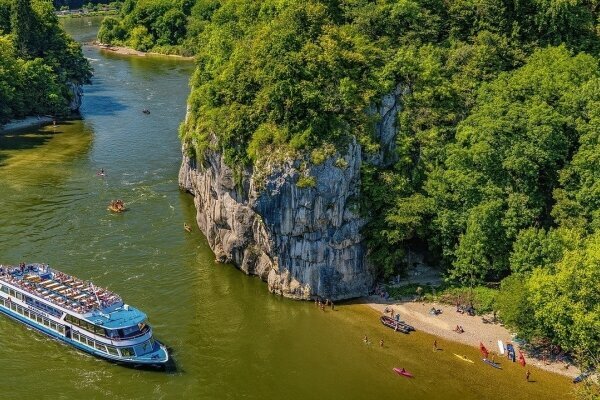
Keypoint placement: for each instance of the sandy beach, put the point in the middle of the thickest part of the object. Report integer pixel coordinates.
(25, 123)
(475, 329)
(132, 52)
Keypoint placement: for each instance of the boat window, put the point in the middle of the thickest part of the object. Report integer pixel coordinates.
(100, 346)
(113, 351)
(12, 292)
(129, 330)
(61, 329)
(19, 296)
(98, 330)
(127, 352)
(2, 301)
(4, 289)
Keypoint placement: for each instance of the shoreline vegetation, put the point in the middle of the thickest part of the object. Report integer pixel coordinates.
(128, 51)
(83, 13)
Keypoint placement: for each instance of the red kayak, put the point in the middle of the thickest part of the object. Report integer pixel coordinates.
(521, 359)
(403, 372)
(483, 350)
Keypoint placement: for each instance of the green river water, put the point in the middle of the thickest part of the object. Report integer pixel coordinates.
(231, 339)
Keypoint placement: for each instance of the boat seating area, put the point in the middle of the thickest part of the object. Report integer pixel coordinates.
(59, 288)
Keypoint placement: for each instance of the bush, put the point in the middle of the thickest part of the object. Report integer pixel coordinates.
(306, 182)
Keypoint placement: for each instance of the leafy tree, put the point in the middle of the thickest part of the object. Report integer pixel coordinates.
(24, 28)
(566, 299)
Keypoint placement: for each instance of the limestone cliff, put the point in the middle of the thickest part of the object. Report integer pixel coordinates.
(76, 92)
(303, 241)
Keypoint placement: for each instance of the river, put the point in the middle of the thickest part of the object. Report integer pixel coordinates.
(231, 339)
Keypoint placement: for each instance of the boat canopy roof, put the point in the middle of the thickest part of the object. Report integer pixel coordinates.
(58, 288)
(121, 317)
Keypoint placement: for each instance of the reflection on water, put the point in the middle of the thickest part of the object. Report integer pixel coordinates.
(230, 338)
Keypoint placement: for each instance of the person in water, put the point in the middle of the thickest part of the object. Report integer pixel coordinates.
(366, 339)
(403, 370)
(381, 343)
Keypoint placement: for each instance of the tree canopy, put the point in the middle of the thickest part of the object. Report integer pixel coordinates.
(38, 60)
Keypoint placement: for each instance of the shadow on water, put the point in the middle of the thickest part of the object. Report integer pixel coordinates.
(101, 105)
(24, 140)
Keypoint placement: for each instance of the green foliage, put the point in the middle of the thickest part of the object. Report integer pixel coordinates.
(140, 39)
(514, 307)
(37, 61)
(566, 298)
(306, 182)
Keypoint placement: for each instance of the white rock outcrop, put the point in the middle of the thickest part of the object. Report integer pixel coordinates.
(303, 241)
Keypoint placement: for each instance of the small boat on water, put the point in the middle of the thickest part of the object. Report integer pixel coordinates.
(491, 363)
(80, 314)
(398, 326)
(403, 372)
(117, 206)
(464, 358)
(187, 227)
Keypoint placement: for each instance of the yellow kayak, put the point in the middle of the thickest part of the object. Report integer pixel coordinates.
(464, 358)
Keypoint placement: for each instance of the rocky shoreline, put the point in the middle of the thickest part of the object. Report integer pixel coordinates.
(127, 51)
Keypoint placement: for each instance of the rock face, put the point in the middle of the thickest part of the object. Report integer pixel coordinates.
(76, 96)
(303, 241)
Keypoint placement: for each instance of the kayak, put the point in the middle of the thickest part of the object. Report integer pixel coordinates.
(484, 351)
(500, 347)
(395, 325)
(464, 358)
(581, 377)
(491, 363)
(403, 373)
(521, 359)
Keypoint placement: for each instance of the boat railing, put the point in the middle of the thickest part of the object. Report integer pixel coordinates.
(59, 288)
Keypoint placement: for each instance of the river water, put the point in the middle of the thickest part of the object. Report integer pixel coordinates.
(231, 339)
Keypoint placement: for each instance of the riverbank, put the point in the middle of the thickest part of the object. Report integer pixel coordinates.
(476, 330)
(26, 123)
(132, 52)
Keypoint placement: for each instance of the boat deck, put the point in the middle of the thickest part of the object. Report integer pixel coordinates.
(59, 288)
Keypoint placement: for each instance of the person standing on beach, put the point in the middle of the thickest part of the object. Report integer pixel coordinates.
(434, 345)
(527, 374)
(381, 343)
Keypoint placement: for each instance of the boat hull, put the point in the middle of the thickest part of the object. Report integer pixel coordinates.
(140, 364)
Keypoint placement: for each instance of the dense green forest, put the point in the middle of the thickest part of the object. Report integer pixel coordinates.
(496, 171)
(38, 60)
